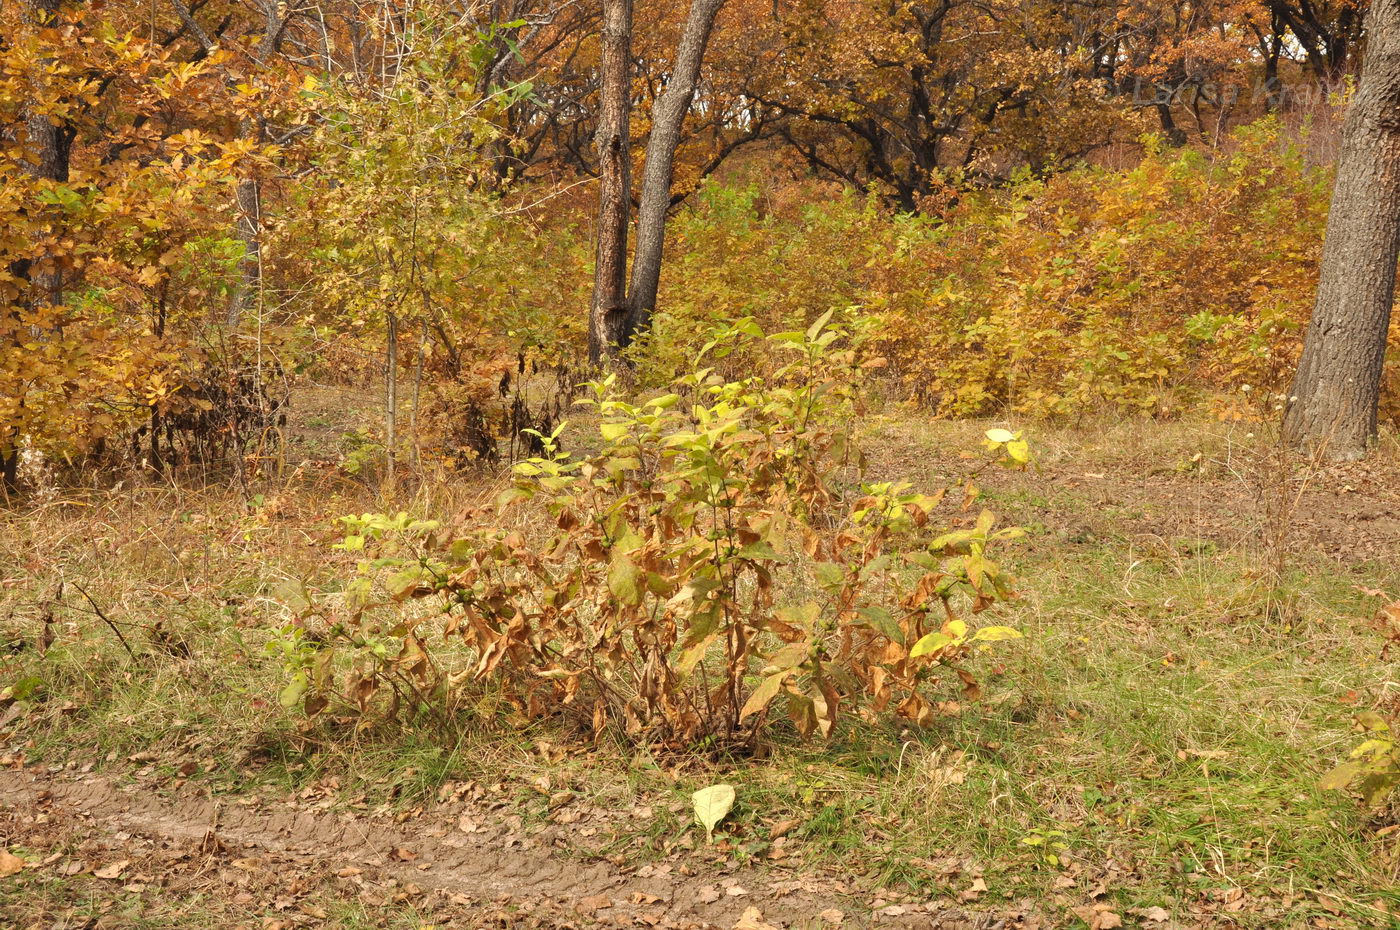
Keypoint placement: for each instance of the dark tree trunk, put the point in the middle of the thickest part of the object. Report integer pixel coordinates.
(1336, 390)
(668, 117)
(607, 316)
(1175, 135)
(47, 149)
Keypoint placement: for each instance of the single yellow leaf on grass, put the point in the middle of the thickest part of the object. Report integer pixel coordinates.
(712, 805)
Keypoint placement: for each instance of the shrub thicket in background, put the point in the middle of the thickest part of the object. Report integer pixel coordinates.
(1180, 284)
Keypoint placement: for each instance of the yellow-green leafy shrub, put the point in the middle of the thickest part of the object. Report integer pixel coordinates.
(715, 560)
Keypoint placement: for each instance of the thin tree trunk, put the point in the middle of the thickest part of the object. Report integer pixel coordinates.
(1336, 389)
(668, 117)
(391, 401)
(248, 196)
(248, 193)
(607, 316)
(417, 393)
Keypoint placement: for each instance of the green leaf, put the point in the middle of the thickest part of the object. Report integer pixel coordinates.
(830, 575)
(691, 655)
(402, 584)
(1372, 747)
(791, 656)
(760, 550)
(801, 616)
(712, 805)
(1376, 786)
(296, 688)
(1372, 720)
(1001, 436)
(884, 621)
(819, 324)
(612, 432)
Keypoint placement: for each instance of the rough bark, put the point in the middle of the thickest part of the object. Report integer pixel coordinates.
(248, 196)
(607, 317)
(47, 152)
(1336, 390)
(48, 148)
(668, 116)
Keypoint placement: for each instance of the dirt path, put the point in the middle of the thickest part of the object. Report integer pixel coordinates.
(459, 860)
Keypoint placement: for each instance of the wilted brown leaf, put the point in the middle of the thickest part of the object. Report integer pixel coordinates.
(752, 919)
(113, 870)
(9, 863)
(1153, 915)
(972, 892)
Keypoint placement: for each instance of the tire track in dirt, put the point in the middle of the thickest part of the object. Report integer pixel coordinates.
(495, 862)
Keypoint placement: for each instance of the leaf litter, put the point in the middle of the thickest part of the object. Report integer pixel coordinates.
(457, 860)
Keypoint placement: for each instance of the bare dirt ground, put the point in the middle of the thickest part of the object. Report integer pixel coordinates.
(279, 862)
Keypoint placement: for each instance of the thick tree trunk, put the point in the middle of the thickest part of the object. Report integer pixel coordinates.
(1336, 390)
(607, 316)
(668, 117)
(47, 147)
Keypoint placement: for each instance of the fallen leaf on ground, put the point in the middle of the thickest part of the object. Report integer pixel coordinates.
(712, 805)
(833, 915)
(596, 902)
(1099, 917)
(752, 919)
(1154, 914)
(114, 870)
(972, 892)
(9, 863)
(782, 828)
